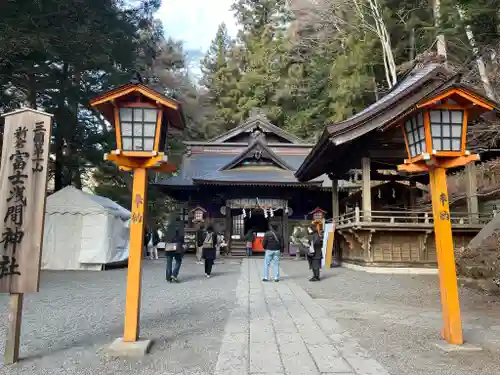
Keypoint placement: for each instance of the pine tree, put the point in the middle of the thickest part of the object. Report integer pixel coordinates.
(220, 78)
(262, 57)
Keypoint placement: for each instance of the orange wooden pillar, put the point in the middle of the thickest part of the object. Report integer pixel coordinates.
(133, 295)
(452, 331)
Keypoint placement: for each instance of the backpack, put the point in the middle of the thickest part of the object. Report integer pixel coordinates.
(208, 243)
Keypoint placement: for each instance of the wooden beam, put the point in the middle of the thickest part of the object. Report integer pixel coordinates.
(367, 190)
(15, 309)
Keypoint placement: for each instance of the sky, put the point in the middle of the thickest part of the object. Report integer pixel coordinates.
(195, 22)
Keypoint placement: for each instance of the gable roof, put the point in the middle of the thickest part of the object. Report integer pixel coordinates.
(257, 146)
(256, 121)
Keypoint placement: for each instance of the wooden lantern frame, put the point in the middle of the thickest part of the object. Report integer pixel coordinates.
(137, 95)
(198, 209)
(454, 99)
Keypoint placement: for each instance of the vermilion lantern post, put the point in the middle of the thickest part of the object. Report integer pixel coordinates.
(142, 117)
(435, 135)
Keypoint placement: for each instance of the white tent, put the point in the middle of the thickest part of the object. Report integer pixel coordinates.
(83, 231)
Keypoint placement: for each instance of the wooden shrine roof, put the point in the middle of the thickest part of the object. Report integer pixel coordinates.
(255, 153)
(369, 133)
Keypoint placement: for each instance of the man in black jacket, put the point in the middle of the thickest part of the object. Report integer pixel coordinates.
(273, 245)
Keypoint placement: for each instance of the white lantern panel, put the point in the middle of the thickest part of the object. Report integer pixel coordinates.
(435, 117)
(446, 131)
(436, 130)
(446, 144)
(127, 143)
(456, 131)
(137, 129)
(445, 116)
(148, 144)
(150, 115)
(456, 144)
(457, 117)
(149, 130)
(411, 139)
(125, 114)
(437, 144)
(126, 128)
(138, 144)
(138, 115)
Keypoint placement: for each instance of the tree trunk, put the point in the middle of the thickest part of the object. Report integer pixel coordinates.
(412, 44)
(481, 66)
(440, 40)
(60, 119)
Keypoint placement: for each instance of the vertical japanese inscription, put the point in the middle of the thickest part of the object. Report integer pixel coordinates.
(444, 213)
(38, 142)
(23, 184)
(16, 202)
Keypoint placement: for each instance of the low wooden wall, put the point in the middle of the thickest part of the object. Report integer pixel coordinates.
(394, 248)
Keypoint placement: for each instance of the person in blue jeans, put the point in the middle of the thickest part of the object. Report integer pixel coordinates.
(178, 254)
(273, 245)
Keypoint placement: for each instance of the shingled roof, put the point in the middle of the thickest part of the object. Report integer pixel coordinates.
(339, 139)
(224, 160)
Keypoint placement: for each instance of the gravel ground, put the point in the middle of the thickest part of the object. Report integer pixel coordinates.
(397, 317)
(77, 314)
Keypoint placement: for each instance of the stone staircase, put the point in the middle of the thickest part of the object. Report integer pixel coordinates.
(238, 248)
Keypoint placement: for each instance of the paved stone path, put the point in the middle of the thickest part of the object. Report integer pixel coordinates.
(277, 328)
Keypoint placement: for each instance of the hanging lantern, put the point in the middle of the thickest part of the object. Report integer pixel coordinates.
(393, 193)
(198, 214)
(317, 214)
(271, 212)
(379, 194)
(265, 213)
(244, 214)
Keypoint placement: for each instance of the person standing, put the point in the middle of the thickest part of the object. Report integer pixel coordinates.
(147, 238)
(250, 239)
(209, 250)
(273, 245)
(177, 254)
(155, 239)
(199, 243)
(315, 252)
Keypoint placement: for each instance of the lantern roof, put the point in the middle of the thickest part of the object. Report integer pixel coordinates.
(317, 209)
(371, 132)
(198, 208)
(171, 108)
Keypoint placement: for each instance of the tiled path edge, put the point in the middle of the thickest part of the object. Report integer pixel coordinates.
(286, 332)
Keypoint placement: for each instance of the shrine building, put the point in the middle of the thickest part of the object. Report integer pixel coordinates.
(244, 180)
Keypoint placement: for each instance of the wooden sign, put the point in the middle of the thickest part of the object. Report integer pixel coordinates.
(23, 185)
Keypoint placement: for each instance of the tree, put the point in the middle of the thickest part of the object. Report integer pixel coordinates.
(261, 55)
(220, 76)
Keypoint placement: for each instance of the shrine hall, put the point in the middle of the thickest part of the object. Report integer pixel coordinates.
(244, 180)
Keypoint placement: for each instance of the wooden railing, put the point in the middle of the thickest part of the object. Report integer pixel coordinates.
(409, 218)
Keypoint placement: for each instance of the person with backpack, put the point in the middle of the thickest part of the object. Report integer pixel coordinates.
(209, 250)
(315, 252)
(273, 245)
(177, 254)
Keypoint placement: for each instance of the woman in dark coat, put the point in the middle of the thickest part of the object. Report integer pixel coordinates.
(178, 254)
(209, 249)
(315, 257)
